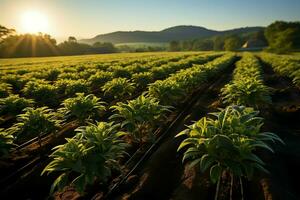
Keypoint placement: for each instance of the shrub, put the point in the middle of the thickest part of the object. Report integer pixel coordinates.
(227, 142)
(14, 104)
(99, 79)
(6, 142)
(142, 79)
(82, 107)
(120, 72)
(90, 155)
(71, 87)
(16, 81)
(52, 74)
(5, 90)
(42, 92)
(167, 92)
(118, 88)
(35, 122)
(140, 116)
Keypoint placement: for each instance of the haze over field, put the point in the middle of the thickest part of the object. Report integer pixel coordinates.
(86, 19)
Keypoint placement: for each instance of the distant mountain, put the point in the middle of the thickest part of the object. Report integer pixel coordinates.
(166, 35)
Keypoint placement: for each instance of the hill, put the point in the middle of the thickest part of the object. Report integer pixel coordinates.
(166, 35)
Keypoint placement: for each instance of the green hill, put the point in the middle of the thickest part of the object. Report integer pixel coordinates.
(166, 35)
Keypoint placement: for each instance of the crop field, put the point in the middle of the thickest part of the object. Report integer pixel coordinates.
(150, 126)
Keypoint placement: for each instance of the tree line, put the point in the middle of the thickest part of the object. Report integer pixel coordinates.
(278, 37)
(35, 45)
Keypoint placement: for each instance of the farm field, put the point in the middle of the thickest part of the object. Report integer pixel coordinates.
(182, 125)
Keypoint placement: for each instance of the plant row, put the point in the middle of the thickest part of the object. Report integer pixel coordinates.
(247, 87)
(182, 83)
(287, 66)
(46, 94)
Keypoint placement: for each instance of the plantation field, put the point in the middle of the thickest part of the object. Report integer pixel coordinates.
(185, 125)
(14, 63)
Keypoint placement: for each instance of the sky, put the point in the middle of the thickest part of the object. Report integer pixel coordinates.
(88, 18)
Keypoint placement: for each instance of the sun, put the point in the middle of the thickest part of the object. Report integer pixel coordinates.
(34, 22)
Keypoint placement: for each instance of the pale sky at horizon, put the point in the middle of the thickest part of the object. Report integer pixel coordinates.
(85, 19)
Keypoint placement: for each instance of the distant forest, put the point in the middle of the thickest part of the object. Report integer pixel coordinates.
(279, 37)
(36, 45)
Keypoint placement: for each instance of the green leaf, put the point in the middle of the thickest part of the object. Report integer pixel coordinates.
(215, 173)
(59, 183)
(206, 162)
(194, 162)
(79, 183)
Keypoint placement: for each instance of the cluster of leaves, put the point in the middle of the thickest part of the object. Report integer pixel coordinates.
(120, 72)
(139, 116)
(284, 65)
(227, 142)
(42, 92)
(35, 122)
(48, 75)
(142, 79)
(92, 154)
(82, 107)
(99, 79)
(180, 84)
(16, 81)
(247, 86)
(5, 89)
(118, 88)
(70, 87)
(14, 104)
(6, 142)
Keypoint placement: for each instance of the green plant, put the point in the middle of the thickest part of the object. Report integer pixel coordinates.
(35, 122)
(82, 107)
(249, 92)
(227, 142)
(99, 79)
(182, 83)
(68, 75)
(52, 74)
(14, 104)
(120, 72)
(5, 90)
(6, 142)
(247, 86)
(90, 155)
(71, 87)
(167, 92)
(42, 92)
(118, 88)
(139, 116)
(142, 79)
(16, 81)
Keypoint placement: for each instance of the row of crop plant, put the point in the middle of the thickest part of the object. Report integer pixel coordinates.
(227, 141)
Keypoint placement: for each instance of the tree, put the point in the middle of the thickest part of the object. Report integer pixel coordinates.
(72, 39)
(219, 43)
(203, 45)
(174, 46)
(283, 36)
(105, 47)
(232, 43)
(4, 32)
(28, 45)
